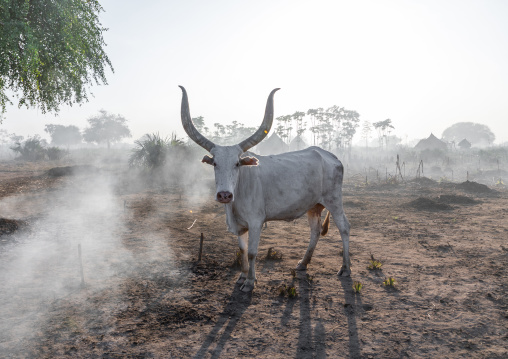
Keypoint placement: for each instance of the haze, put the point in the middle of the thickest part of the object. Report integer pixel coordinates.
(424, 64)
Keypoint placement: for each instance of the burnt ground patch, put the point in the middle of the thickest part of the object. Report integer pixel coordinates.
(474, 187)
(71, 170)
(456, 199)
(427, 204)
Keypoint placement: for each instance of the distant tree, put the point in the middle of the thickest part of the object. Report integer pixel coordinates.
(51, 51)
(9, 138)
(313, 114)
(218, 134)
(350, 123)
(284, 128)
(63, 135)
(384, 128)
(199, 123)
(106, 128)
(297, 117)
(475, 133)
(366, 130)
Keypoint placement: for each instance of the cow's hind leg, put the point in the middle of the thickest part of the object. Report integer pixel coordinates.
(339, 217)
(314, 217)
(254, 234)
(242, 243)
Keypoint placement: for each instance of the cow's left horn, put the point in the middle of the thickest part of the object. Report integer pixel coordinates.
(265, 127)
(189, 126)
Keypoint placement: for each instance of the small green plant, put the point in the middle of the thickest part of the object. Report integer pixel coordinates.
(357, 287)
(374, 264)
(273, 255)
(290, 291)
(238, 260)
(500, 182)
(444, 179)
(390, 282)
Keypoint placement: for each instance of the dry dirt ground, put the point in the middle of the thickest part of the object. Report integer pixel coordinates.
(444, 244)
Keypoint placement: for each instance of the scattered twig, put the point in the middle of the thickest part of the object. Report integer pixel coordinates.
(192, 224)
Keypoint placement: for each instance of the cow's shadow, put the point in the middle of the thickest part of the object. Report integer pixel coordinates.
(233, 311)
(311, 341)
(352, 303)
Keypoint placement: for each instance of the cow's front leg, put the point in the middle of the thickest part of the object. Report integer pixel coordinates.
(242, 243)
(254, 234)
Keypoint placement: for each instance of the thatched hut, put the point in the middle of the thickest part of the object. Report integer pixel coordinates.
(431, 143)
(273, 145)
(464, 144)
(297, 144)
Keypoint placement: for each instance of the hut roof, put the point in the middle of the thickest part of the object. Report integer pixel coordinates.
(297, 144)
(272, 145)
(464, 144)
(431, 143)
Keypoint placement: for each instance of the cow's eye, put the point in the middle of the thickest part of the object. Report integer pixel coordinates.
(237, 164)
(214, 164)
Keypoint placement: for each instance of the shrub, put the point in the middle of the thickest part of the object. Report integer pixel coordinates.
(55, 153)
(151, 152)
(31, 150)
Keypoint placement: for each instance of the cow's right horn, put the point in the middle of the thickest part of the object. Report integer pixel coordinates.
(263, 130)
(189, 126)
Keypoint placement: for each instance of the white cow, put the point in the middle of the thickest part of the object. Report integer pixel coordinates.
(258, 189)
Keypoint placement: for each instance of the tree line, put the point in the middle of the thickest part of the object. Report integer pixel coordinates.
(104, 128)
(329, 128)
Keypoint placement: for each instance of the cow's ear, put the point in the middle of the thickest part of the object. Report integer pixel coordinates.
(207, 159)
(248, 161)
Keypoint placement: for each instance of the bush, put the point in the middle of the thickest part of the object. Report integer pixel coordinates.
(31, 150)
(151, 152)
(55, 153)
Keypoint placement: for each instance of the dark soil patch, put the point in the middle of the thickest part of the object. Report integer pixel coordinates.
(456, 199)
(427, 204)
(9, 226)
(474, 187)
(71, 170)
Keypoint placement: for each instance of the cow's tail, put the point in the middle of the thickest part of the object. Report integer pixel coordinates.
(325, 225)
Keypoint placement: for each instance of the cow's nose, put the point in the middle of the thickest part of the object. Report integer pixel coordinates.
(224, 197)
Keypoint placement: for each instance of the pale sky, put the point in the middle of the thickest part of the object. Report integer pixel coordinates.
(424, 64)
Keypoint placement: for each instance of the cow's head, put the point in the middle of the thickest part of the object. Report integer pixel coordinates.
(227, 160)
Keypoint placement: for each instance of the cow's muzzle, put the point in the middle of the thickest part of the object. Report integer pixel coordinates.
(224, 197)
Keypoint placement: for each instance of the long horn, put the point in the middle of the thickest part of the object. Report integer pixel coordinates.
(189, 126)
(265, 127)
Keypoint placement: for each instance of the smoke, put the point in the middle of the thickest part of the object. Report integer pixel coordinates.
(43, 265)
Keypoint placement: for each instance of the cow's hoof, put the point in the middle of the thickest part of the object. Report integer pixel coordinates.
(301, 266)
(241, 279)
(247, 286)
(344, 272)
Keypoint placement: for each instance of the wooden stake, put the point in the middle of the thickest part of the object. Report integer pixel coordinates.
(81, 266)
(200, 247)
